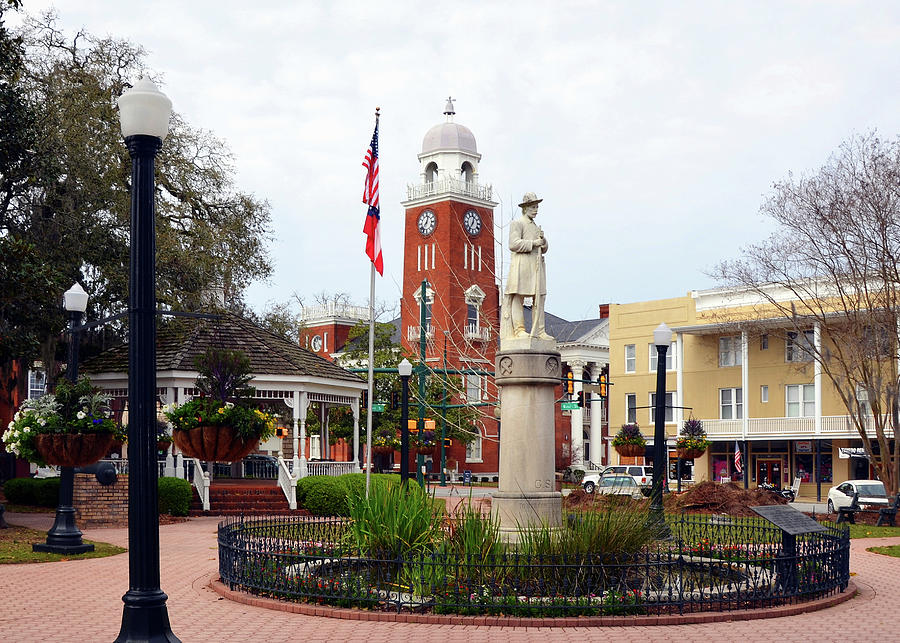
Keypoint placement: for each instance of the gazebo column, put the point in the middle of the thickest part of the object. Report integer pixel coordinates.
(300, 469)
(170, 471)
(355, 459)
(323, 432)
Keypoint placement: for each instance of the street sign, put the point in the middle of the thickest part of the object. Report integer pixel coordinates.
(467, 477)
(378, 408)
(569, 406)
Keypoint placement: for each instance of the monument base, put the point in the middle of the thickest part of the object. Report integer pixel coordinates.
(519, 512)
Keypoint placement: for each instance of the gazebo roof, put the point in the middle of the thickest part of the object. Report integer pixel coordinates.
(179, 341)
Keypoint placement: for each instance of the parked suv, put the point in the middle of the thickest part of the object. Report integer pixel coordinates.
(642, 474)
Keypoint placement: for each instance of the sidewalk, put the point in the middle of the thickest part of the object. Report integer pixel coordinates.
(81, 600)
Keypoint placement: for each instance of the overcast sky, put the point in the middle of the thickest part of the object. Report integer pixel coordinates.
(652, 130)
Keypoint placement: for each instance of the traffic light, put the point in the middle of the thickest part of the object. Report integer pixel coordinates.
(448, 443)
(581, 398)
(429, 425)
(570, 383)
(395, 399)
(603, 381)
(413, 426)
(364, 402)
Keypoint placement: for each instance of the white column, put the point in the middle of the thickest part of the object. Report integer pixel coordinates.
(597, 426)
(300, 415)
(355, 407)
(577, 417)
(817, 377)
(679, 381)
(169, 470)
(745, 384)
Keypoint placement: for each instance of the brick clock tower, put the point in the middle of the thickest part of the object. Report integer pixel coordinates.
(449, 243)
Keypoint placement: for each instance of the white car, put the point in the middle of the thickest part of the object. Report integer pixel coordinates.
(612, 484)
(871, 492)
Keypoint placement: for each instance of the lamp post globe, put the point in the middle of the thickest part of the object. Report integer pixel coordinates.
(144, 114)
(404, 368)
(64, 537)
(662, 339)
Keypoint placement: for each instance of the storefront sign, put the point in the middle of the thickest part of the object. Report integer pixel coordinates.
(845, 453)
(803, 446)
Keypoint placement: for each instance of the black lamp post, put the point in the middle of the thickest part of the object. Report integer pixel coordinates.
(662, 338)
(144, 112)
(64, 536)
(405, 370)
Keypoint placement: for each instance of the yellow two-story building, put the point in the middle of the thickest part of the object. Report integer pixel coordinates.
(754, 386)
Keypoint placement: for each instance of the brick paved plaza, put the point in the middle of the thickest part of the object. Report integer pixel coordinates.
(81, 600)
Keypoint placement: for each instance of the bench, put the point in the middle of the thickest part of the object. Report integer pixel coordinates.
(886, 515)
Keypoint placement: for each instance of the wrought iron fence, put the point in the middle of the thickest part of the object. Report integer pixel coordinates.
(729, 564)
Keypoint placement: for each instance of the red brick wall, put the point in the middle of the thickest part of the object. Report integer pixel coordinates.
(100, 506)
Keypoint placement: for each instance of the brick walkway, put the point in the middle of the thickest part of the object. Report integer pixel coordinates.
(80, 600)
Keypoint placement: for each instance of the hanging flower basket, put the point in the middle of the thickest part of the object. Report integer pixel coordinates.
(630, 450)
(690, 454)
(425, 450)
(162, 445)
(213, 443)
(382, 450)
(73, 449)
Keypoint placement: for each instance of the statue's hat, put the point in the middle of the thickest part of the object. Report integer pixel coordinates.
(529, 198)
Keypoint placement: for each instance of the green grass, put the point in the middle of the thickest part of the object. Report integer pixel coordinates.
(15, 548)
(891, 550)
(868, 531)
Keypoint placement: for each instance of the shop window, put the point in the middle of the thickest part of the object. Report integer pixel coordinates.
(631, 408)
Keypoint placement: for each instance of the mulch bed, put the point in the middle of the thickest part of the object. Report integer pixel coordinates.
(705, 497)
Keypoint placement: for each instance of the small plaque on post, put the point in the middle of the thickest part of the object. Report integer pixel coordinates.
(789, 519)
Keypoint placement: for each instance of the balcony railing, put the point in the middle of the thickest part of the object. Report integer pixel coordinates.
(413, 332)
(833, 426)
(452, 186)
(333, 309)
(479, 333)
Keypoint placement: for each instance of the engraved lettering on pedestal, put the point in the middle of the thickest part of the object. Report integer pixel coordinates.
(506, 366)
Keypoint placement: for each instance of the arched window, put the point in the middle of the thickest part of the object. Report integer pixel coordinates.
(466, 172)
(431, 172)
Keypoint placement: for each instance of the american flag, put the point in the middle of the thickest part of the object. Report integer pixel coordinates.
(738, 466)
(370, 197)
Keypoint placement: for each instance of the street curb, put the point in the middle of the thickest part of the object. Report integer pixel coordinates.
(513, 621)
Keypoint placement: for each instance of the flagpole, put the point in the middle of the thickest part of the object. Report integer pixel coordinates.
(371, 376)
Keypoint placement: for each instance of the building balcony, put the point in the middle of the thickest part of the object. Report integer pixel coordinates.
(833, 426)
(413, 333)
(448, 186)
(478, 333)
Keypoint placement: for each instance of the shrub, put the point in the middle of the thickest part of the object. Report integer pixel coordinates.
(629, 434)
(325, 496)
(345, 486)
(46, 492)
(174, 496)
(20, 491)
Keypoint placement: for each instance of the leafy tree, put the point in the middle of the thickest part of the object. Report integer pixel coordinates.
(65, 191)
(835, 252)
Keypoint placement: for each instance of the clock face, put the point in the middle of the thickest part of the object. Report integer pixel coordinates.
(472, 222)
(426, 222)
(316, 343)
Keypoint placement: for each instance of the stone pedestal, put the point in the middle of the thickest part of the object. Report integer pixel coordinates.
(527, 496)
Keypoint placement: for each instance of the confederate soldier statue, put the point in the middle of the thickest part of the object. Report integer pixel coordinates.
(527, 274)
